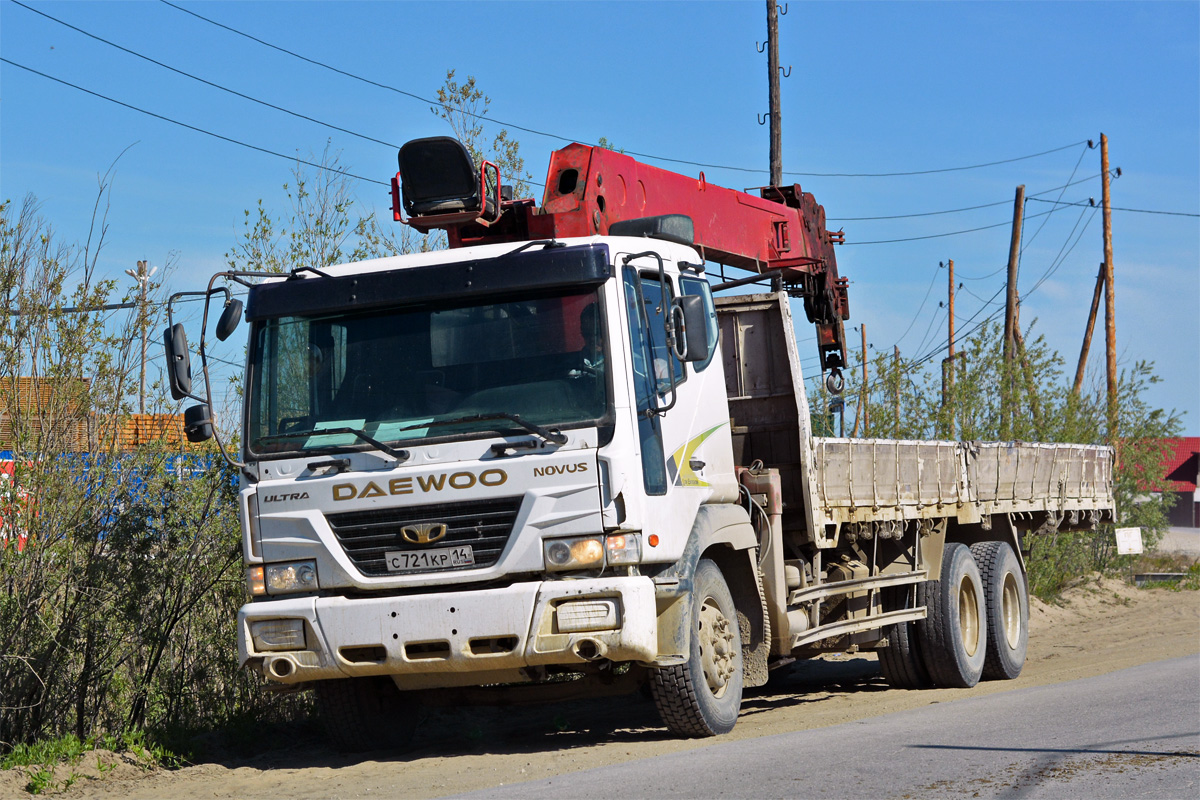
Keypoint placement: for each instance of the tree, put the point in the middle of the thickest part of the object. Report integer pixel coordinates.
(464, 106)
(323, 225)
(116, 614)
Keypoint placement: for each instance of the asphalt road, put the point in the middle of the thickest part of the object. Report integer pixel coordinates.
(1132, 733)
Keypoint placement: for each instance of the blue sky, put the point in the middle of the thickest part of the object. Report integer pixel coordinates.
(874, 88)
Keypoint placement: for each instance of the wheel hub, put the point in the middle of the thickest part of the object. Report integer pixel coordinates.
(1011, 609)
(968, 616)
(716, 647)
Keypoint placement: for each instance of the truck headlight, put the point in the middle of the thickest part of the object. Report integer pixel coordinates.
(273, 635)
(591, 552)
(298, 576)
(582, 552)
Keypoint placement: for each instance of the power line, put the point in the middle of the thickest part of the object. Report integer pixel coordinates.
(1029, 241)
(926, 171)
(965, 208)
(234, 92)
(562, 138)
(1134, 210)
(921, 307)
(948, 233)
(1063, 256)
(293, 159)
(936, 317)
(1050, 271)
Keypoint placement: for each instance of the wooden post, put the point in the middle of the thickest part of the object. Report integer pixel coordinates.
(896, 397)
(950, 322)
(776, 112)
(1010, 315)
(863, 414)
(866, 398)
(1110, 301)
(948, 391)
(1087, 336)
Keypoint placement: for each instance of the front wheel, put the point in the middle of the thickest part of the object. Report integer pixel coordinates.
(703, 696)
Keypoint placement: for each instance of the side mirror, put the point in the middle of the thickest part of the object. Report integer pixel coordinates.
(179, 363)
(691, 327)
(197, 423)
(230, 318)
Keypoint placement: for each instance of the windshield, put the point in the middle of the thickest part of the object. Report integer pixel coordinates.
(407, 374)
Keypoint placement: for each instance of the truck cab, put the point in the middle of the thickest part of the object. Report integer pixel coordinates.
(483, 466)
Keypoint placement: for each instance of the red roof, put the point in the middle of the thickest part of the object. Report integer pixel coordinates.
(1182, 465)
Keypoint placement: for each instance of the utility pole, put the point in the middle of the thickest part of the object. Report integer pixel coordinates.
(1010, 315)
(1087, 336)
(948, 361)
(776, 113)
(142, 276)
(864, 414)
(1110, 302)
(948, 364)
(896, 396)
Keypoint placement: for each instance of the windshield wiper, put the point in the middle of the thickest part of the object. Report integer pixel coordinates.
(399, 455)
(552, 436)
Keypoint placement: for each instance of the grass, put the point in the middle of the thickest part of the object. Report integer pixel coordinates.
(1169, 562)
(41, 758)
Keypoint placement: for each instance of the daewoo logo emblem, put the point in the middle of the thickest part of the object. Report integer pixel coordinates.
(424, 533)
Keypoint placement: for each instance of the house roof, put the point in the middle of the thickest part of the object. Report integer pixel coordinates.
(1182, 465)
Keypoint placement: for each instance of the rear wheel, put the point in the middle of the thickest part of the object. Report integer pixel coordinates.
(953, 638)
(1007, 609)
(702, 697)
(900, 662)
(362, 714)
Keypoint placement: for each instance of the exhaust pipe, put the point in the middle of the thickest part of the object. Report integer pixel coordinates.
(281, 667)
(589, 649)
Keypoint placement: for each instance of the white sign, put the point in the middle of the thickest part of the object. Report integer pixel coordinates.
(1129, 541)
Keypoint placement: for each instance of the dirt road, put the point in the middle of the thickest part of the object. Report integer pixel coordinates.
(1100, 627)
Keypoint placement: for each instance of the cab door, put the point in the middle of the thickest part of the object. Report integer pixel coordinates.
(682, 415)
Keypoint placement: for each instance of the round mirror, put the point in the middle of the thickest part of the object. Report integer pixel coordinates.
(229, 320)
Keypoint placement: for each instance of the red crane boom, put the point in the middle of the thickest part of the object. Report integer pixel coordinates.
(781, 231)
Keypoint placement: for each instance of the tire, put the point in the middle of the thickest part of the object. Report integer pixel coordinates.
(953, 639)
(900, 662)
(363, 714)
(1007, 609)
(703, 697)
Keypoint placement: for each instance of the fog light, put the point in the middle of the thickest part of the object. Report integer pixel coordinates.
(273, 635)
(587, 615)
(300, 576)
(584, 552)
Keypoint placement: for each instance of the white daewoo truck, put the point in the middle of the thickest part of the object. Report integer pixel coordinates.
(548, 457)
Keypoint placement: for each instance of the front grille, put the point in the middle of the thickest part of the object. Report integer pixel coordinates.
(483, 524)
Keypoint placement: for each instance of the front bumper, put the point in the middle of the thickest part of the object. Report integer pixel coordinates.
(453, 638)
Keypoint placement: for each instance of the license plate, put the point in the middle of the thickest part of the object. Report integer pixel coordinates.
(435, 558)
